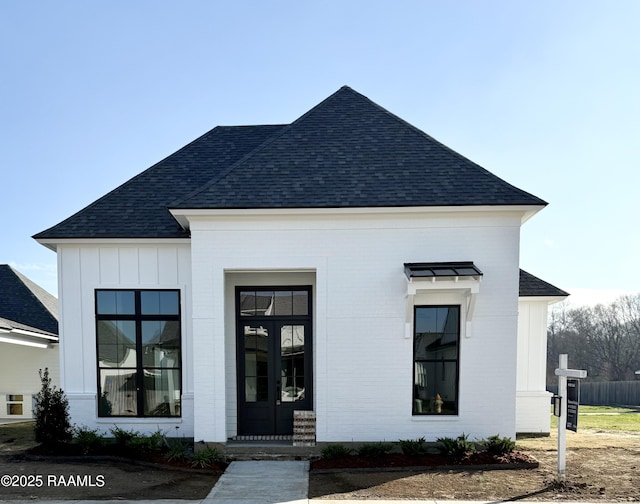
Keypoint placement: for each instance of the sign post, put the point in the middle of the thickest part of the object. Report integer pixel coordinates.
(563, 373)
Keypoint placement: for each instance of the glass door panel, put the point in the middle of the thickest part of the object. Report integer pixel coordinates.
(292, 363)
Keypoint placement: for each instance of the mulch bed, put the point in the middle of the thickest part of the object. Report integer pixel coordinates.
(69, 452)
(398, 461)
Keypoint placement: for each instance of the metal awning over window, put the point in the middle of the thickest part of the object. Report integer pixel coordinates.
(434, 270)
(433, 277)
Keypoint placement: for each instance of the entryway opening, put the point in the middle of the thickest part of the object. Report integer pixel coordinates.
(274, 359)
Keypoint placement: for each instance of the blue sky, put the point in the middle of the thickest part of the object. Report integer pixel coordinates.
(544, 94)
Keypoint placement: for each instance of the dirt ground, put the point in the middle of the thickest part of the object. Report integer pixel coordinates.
(106, 479)
(600, 467)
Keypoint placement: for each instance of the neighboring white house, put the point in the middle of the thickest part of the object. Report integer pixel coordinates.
(28, 342)
(346, 264)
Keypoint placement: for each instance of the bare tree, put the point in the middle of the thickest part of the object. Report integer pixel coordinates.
(604, 339)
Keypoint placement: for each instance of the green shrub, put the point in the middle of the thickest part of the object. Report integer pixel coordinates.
(89, 440)
(207, 457)
(455, 447)
(51, 413)
(374, 450)
(131, 443)
(335, 451)
(413, 447)
(145, 444)
(497, 445)
(123, 437)
(178, 450)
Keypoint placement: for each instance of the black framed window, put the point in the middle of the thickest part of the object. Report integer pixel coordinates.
(436, 344)
(138, 353)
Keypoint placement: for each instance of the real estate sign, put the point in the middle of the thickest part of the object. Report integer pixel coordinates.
(573, 400)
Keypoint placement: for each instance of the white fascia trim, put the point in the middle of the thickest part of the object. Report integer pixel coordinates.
(17, 341)
(52, 243)
(183, 215)
(548, 299)
(33, 334)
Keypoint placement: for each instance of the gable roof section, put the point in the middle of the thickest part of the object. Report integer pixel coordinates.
(25, 303)
(345, 152)
(349, 152)
(531, 286)
(138, 208)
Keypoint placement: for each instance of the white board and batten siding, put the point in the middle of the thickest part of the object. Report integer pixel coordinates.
(85, 268)
(533, 401)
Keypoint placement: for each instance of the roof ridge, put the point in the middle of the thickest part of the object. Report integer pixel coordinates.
(228, 169)
(263, 145)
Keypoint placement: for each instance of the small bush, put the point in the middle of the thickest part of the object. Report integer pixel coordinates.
(130, 443)
(123, 437)
(498, 446)
(145, 444)
(455, 447)
(374, 450)
(178, 450)
(335, 451)
(89, 440)
(207, 457)
(413, 447)
(51, 413)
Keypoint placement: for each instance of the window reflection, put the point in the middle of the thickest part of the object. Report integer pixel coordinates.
(436, 341)
(256, 364)
(292, 363)
(269, 303)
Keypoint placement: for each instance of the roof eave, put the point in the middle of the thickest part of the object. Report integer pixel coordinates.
(548, 299)
(183, 215)
(53, 243)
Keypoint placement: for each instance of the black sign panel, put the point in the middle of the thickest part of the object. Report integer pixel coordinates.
(573, 400)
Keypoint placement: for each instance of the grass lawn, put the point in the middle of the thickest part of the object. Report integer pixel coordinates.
(606, 418)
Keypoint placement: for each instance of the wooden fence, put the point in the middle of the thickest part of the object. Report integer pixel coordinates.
(625, 393)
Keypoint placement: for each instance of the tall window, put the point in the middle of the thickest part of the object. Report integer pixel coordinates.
(436, 343)
(138, 348)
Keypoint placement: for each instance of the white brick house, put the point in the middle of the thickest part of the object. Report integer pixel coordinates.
(346, 263)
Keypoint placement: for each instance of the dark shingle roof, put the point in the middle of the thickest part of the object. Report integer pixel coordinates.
(24, 302)
(349, 152)
(12, 325)
(531, 286)
(138, 208)
(345, 152)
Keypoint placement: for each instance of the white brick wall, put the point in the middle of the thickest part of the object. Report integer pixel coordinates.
(363, 362)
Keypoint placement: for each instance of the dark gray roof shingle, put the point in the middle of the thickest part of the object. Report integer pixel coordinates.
(349, 152)
(138, 208)
(24, 302)
(345, 152)
(531, 286)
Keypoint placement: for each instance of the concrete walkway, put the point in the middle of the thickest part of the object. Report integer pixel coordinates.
(262, 482)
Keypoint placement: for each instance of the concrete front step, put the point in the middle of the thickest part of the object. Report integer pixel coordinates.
(246, 450)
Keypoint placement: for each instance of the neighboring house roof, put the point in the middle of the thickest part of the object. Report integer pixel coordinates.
(345, 152)
(531, 286)
(24, 303)
(12, 326)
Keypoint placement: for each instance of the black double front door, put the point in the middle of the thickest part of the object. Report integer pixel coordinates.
(274, 360)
